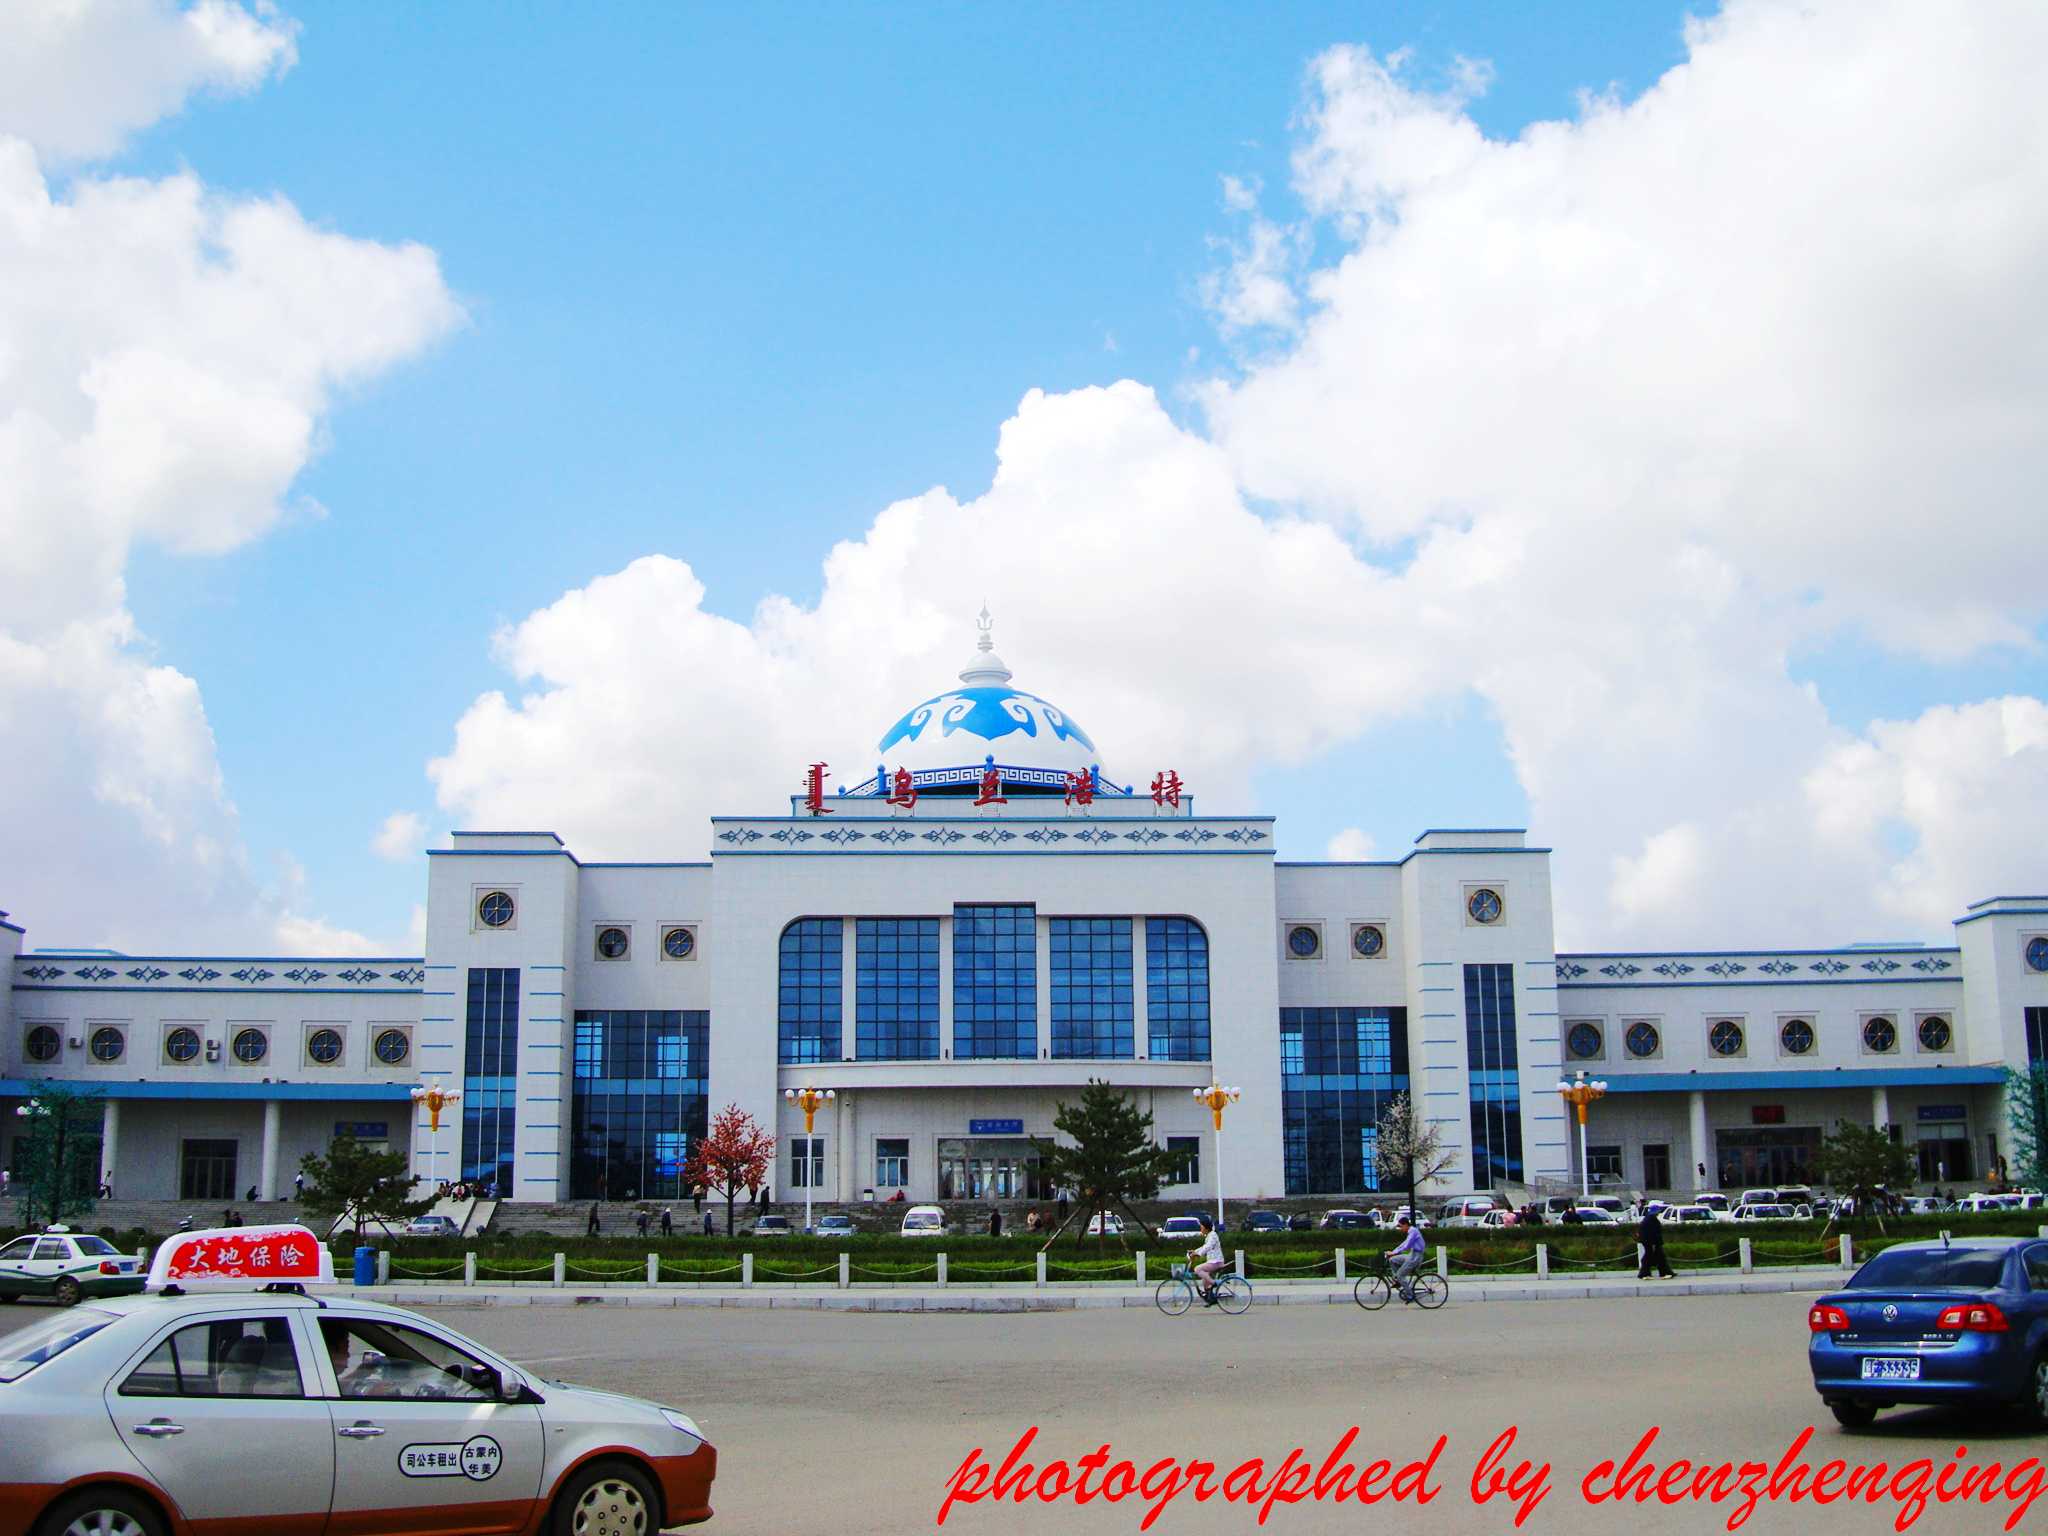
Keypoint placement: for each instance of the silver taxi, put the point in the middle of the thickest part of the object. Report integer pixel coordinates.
(292, 1415)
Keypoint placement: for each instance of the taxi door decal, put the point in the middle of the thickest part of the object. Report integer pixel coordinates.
(477, 1458)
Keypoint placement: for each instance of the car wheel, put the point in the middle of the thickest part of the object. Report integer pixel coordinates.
(66, 1292)
(9, 1296)
(610, 1498)
(2035, 1406)
(101, 1512)
(1853, 1415)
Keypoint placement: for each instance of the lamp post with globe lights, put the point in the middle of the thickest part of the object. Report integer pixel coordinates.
(436, 1099)
(1216, 1097)
(1581, 1092)
(810, 1101)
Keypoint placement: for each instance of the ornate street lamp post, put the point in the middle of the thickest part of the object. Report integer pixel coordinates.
(810, 1101)
(1580, 1092)
(35, 1111)
(1216, 1097)
(436, 1099)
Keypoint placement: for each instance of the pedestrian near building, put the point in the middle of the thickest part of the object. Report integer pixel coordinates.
(640, 1223)
(1650, 1233)
(667, 1222)
(995, 1222)
(299, 1186)
(593, 1220)
(707, 1223)
(696, 1197)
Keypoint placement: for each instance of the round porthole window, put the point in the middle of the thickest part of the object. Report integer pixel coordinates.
(251, 1046)
(391, 1046)
(1584, 1041)
(613, 943)
(108, 1044)
(2037, 954)
(324, 1046)
(1880, 1036)
(1642, 1038)
(1368, 940)
(495, 910)
(1935, 1034)
(678, 943)
(1796, 1035)
(1484, 905)
(43, 1044)
(1303, 941)
(1725, 1038)
(181, 1044)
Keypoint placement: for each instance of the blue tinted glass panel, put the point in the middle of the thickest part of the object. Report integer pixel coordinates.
(1339, 1067)
(808, 1002)
(1491, 1064)
(1176, 989)
(490, 1078)
(896, 988)
(1092, 1007)
(642, 1083)
(995, 982)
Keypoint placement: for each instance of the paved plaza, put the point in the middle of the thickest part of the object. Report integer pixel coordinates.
(847, 1422)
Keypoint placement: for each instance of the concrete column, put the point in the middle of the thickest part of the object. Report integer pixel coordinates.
(1702, 1149)
(1880, 1107)
(110, 1141)
(849, 1180)
(273, 1119)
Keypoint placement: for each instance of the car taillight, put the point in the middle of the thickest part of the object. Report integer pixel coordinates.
(1975, 1317)
(1826, 1319)
(109, 1267)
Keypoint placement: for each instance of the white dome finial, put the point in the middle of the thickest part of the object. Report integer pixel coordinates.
(986, 669)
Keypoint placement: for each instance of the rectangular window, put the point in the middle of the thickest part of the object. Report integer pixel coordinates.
(1604, 1163)
(1177, 989)
(995, 982)
(1657, 1166)
(892, 1162)
(1338, 1069)
(1091, 988)
(806, 1162)
(808, 1003)
(1492, 1072)
(1189, 1150)
(248, 1357)
(641, 1101)
(2037, 1035)
(490, 1076)
(896, 988)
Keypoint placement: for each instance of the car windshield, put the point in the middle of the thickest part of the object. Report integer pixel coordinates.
(26, 1348)
(920, 1222)
(1932, 1269)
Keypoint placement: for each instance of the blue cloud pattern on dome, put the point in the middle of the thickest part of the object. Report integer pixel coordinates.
(989, 713)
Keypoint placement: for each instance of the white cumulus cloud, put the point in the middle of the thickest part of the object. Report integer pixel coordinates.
(400, 836)
(1350, 844)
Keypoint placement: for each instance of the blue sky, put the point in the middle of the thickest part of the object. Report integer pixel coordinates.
(735, 280)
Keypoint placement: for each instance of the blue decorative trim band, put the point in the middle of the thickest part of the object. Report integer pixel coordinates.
(148, 991)
(1818, 1077)
(1803, 981)
(246, 1092)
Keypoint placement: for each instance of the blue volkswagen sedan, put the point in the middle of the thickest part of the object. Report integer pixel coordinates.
(1939, 1322)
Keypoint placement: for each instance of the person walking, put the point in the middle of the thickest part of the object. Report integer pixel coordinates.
(697, 1197)
(995, 1222)
(667, 1223)
(299, 1186)
(1650, 1234)
(707, 1224)
(640, 1223)
(592, 1232)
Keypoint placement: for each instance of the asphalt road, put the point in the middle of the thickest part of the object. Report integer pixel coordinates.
(850, 1423)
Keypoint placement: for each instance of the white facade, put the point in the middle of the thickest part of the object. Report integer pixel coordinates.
(1323, 987)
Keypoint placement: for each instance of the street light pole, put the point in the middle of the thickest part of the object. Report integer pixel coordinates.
(1581, 1092)
(810, 1101)
(1216, 1097)
(436, 1099)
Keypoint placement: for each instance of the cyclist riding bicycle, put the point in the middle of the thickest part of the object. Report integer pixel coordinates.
(1208, 1261)
(1407, 1257)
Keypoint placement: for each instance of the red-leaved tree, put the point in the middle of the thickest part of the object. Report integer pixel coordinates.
(733, 1155)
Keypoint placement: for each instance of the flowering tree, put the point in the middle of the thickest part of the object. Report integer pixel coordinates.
(733, 1155)
(1409, 1149)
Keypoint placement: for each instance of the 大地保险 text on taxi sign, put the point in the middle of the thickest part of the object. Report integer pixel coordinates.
(241, 1258)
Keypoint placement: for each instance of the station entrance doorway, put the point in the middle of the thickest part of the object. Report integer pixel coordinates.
(990, 1168)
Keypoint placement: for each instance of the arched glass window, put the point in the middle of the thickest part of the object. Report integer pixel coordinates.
(1177, 989)
(807, 1008)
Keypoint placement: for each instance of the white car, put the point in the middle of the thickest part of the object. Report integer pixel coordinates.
(1762, 1212)
(1712, 1199)
(1594, 1216)
(432, 1226)
(924, 1221)
(1686, 1215)
(1105, 1224)
(1180, 1226)
(1467, 1211)
(68, 1266)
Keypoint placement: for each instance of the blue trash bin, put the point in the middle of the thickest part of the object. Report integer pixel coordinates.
(366, 1266)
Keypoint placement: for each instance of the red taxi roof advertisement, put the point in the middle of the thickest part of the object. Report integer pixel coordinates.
(238, 1258)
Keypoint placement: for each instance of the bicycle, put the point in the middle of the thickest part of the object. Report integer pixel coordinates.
(1176, 1293)
(1376, 1287)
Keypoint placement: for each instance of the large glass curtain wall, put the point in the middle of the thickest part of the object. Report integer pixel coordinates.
(995, 982)
(1493, 1071)
(896, 988)
(1176, 989)
(490, 1077)
(642, 1096)
(1339, 1068)
(1091, 988)
(808, 1003)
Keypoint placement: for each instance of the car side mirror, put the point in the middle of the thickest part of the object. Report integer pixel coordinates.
(511, 1387)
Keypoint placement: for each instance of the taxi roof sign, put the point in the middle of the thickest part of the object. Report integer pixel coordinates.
(240, 1259)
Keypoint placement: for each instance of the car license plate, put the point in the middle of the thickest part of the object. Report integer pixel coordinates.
(1891, 1368)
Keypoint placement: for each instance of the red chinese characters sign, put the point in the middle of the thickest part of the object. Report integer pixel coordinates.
(1166, 789)
(1081, 788)
(814, 790)
(991, 788)
(242, 1257)
(902, 790)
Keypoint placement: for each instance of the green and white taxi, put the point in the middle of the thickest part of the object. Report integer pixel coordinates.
(67, 1266)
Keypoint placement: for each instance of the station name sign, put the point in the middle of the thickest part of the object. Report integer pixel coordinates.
(995, 1127)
